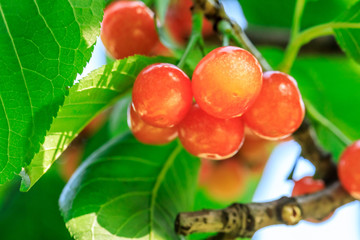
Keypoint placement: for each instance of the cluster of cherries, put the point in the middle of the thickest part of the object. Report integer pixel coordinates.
(128, 28)
(227, 180)
(228, 92)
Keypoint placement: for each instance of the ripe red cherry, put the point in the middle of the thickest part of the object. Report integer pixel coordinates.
(279, 110)
(307, 185)
(349, 169)
(178, 19)
(162, 95)
(227, 81)
(146, 133)
(208, 137)
(128, 28)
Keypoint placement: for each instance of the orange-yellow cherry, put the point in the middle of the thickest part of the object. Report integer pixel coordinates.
(227, 81)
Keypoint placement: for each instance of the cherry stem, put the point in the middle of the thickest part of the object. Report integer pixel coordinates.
(299, 40)
(225, 28)
(195, 37)
(191, 44)
(306, 36)
(299, 9)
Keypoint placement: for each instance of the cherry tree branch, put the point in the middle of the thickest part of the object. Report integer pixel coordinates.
(243, 220)
(322, 160)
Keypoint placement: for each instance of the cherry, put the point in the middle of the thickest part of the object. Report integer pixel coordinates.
(349, 169)
(161, 50)
(178, 20)
(279, 110)
(226, 181)
(255, 149)
(208, 137)
(308, 185)
(128, 28)
(162, 95)
(146, 133)
(95, 124)
(255, 152)
(71, 159)
(227, 81)
(205, 171)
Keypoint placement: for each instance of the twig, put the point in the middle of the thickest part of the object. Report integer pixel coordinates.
(215, 13)
(310, 149)
(243, 220)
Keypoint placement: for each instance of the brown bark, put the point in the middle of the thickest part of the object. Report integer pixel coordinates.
(310, 149)
(243, 220)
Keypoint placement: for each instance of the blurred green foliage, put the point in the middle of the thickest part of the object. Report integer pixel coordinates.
(33, 215)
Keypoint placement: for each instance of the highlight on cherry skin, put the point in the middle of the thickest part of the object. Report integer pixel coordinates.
(162, 95)
(227, 81)
(279, 109)
(146, 133)
(128, 28)
(208, 137)
(349, 169)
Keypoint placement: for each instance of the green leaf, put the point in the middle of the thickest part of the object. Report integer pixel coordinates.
(161, 7)
(130, 190)
(279, 13)
(330, 88)
(44, 44)
(33, 215)
(329, 140)
(86, 99)
(118, 117)
(115, 125)
(349, 38)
